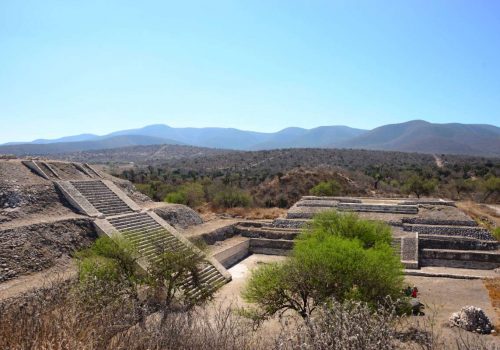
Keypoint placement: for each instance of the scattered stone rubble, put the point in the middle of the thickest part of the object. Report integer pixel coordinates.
(179, 216)
(472, 319)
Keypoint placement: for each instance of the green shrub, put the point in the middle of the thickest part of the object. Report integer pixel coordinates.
(496, 233)
(231, 198)
(190, 194)
(176, 197)
(419, 186)
(326, 188)
(349, 225)
(491, 186)
(357, 273)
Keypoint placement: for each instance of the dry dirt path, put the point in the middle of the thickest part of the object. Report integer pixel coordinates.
(63, 270)
(439, 161)
(40, 219)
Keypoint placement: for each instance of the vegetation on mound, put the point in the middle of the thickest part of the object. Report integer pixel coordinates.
(340, 257)
(326, 188)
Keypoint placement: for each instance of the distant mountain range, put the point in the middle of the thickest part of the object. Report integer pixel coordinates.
(413, 136)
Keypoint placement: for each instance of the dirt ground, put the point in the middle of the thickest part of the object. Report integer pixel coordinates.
(240, 272)
(444, 296)
(63, 269)
(487, 215)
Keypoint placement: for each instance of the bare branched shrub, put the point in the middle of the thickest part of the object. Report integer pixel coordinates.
(342, 326)
(211, 328)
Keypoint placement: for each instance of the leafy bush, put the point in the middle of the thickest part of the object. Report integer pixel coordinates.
(496, 233)
(326, 188)
(349, 225)
(328, 262)
(176, 197)
(190, 194)
(107, 270)
(232, 198)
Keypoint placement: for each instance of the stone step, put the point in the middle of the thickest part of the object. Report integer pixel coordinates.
(149, 249)
(445, 230)
(270, 246)
(206, 273)
(140, 239)
(330, 198)
(290, 223)
(456, 243)
(103, 198)
(133, 232)
(114, 210)
(164, 239)
(271, 233)
(469, 259)
(442, 222)
(111, 205)
(136, 226)
(379, 208)
(159, 246)
(205, 281)
(215, 285)
(114, 213)
(137, 237)
(130, 218)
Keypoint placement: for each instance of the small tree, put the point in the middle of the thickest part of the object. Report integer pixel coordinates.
(231, 198)
(324, 265)
(419, 186)
(463, 186)
(170, 271)
(326, 188)
(109, 270)
(491, 186)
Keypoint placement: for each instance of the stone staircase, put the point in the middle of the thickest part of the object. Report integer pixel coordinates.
(152, 239)
(102, 197)
(117, 214)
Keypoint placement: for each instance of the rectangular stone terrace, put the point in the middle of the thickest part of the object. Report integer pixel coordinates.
(426, 232)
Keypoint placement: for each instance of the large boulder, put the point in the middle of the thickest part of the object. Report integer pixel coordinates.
(472, 319)
(178, 215)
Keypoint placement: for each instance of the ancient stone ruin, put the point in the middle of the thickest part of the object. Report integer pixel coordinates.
(59, 207)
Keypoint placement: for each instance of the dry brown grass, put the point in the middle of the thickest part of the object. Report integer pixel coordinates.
(483, 214)
(243, 213)
(493, 287)
(255, 213)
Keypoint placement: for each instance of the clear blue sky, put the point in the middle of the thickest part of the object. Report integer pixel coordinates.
(71, 67)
